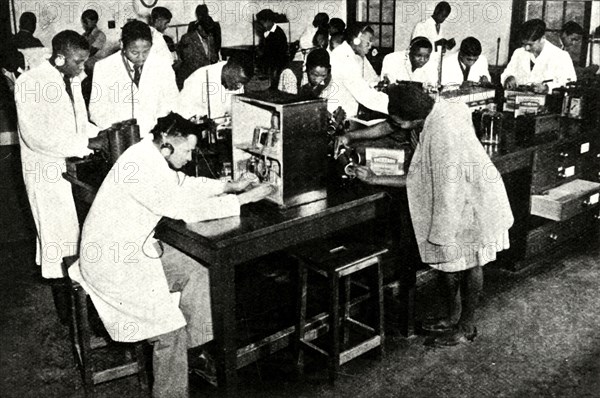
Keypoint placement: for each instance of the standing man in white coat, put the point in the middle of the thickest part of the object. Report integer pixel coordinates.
(467, 66)
(129, 275)
(53, 125)
(538, 62)
(432, 28)
(160, 18)
(352, 75)
(129, 84)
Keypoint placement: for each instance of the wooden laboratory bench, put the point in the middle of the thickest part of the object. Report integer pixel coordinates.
(261, 229)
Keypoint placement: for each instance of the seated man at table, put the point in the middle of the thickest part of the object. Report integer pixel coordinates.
(412, 64)
(129, 275)
(538, 63)
(467, 67)
(209, 89)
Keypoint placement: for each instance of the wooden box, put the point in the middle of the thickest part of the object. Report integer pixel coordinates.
(295, 158)
(566, 201)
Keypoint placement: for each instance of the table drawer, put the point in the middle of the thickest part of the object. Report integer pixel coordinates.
(560, 164)
(552, 234)
(566, 201)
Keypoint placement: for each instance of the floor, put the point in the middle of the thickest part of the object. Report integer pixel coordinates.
(539, 337)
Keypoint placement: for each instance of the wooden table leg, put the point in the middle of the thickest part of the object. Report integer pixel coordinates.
(222, 290)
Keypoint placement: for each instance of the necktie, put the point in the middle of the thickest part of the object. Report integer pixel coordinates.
(465, 72)
(68, 87)
(531, 65)
(137, 73)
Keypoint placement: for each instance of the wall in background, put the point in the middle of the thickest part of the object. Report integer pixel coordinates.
(235, 16)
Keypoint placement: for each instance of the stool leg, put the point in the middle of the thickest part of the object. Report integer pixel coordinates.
(380, 329)
(301, 318)
(334, 359)
(142, 371)
(345, 329)
(84, 332)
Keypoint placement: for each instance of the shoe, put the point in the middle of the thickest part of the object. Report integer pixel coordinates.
(454, 338)
(441, 325)
(204, 367)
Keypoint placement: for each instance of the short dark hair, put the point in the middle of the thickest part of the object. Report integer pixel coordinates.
(90, 15)
(471, 47)
(356, 29)
(320, 20)
(337, 24)
(173, 125)
(27, 21)
(318, 57)
(442, 7)
(135, 30)
(67, 41)
(572, 28)
(201, 11)
(161, 12)
(266, 15)
(242, 62)
(419, 42)
(408, 101)
(532, 30)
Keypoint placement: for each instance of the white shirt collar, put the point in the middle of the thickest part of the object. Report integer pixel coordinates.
(268, 32)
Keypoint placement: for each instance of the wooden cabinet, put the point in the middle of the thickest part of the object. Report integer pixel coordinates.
(281, 139)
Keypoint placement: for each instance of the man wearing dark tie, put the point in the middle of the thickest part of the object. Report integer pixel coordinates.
(466, 67)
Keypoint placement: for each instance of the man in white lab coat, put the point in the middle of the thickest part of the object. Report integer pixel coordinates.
(353, 76)
(466, 66)
(130, 84)
(53, 125)
(412, 64)
(432, 28)
(208, 91)
(129, 275)
(160, 17)
(538, 62)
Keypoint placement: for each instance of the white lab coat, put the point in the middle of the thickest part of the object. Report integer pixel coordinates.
(160, 49)
(51, 128)
(352, 78)
(552, 64)
(198, 93)
(452, 73)
(115, 98)
(427, 29)
(119, 266)
(397, 67)
(306, 39)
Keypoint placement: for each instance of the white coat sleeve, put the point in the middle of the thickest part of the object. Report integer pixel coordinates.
(363, 93)
(420, 30)
(170, 93)
(483, 68)
(169, 196)
(511, 68)
(44, 132)
(102, 104)
(563, 71)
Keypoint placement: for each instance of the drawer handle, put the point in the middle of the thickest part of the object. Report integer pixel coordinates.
(553, 237)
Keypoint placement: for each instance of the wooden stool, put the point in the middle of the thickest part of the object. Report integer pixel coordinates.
(338, 264)
(85, 342)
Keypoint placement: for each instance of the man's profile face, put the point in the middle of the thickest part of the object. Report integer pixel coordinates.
(74, 62)
(182, 150)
